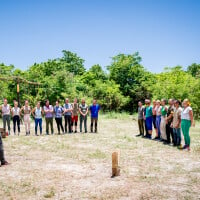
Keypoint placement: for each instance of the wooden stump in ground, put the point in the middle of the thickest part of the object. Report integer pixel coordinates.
(3, 133)
(115, 164)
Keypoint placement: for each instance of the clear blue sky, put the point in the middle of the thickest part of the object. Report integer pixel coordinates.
(165, 32)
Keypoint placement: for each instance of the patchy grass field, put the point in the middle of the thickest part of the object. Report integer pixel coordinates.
(78, 166)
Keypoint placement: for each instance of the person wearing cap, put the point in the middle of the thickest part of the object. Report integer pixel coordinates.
(186, 121)
(5, 108)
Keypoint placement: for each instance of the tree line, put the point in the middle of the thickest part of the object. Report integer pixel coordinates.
(118, 87)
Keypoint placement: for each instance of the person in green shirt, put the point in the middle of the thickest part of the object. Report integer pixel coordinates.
(149, 118)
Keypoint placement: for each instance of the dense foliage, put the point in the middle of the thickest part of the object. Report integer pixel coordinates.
(119, 88)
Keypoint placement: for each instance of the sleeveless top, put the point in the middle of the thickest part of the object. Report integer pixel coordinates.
(16, 111)
(75, 109)
(158, 110)
(38, 113)
(27, 110)
(6, 109)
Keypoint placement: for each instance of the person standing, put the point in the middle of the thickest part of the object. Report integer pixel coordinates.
(94, 111)
(176, 123)
(37, 113)
(83, 110)
(154, 116)
(169, 119)
(145, 125)
(68, 115)
(163, 120)
(26, 110)
(149, 118)
(48, 110)
(158, 119)
(140, 119)
(5, 108)
(75, 110)
(16, 117)
(58, 110)
(186, 121)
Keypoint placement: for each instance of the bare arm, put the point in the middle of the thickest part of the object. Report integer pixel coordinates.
(191, 117)
(33, 112)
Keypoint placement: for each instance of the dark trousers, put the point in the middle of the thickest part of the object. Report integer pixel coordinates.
(49, 121)
(177, 136)
(59, 124)
(169, 132)
(6, 119)
(68, 122)
(141, 126)
(16, 120)
(93, 121)
(83, 119)
(38, 122)
(146, 130)
(2, 159)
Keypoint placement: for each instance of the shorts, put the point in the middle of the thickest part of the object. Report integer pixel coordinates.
(154, 121)
(75, 119)
(148, 122)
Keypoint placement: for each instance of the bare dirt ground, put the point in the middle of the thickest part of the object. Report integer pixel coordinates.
(78, 166)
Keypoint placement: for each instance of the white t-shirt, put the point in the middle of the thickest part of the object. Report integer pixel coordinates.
(185, 113)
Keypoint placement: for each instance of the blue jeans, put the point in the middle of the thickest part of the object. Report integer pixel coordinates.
(177, 136)
(38, 122)
(158, 120)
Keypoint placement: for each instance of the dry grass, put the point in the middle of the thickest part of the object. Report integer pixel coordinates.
(78, 166)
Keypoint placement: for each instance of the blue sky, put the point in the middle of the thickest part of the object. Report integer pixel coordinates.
(165, 32)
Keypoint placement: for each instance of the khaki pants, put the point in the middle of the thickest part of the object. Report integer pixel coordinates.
(49, 121)
(163, 128)
(27, 122)
(141, 126)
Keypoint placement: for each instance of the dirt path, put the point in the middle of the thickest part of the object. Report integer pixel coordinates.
(78, 166)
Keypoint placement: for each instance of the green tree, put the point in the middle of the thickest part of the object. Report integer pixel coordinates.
(135, 82)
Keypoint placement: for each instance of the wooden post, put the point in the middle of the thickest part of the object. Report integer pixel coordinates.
(115, 164)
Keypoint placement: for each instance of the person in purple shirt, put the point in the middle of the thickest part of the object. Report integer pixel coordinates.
(94, 111)
(48, 110)
(58, 110)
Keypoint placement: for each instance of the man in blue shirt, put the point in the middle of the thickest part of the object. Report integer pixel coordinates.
(94, 111)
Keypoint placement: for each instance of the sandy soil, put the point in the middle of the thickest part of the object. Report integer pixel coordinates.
(78, 166)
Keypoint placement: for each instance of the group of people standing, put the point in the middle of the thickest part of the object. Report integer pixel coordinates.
(167, 120)
(70, 111)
